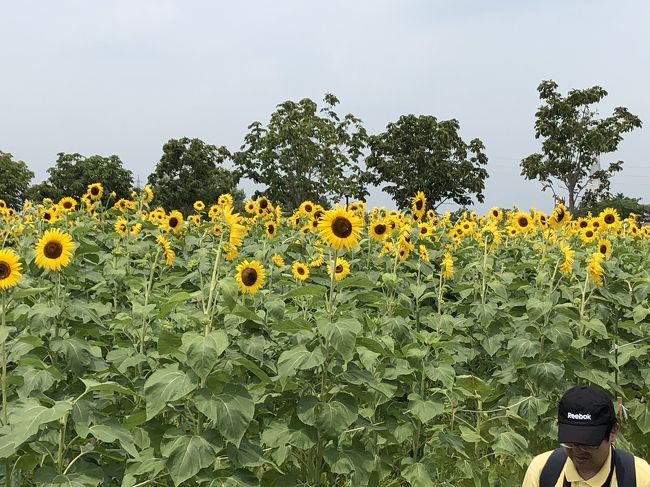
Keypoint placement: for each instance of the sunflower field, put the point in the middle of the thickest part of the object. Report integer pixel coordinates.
(351, 346)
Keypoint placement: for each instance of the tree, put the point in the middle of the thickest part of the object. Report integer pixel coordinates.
(306, 154)
(72, 173)
(191, 170)
(420, 153)
(15, 180)
(573, 140)
(622, 204)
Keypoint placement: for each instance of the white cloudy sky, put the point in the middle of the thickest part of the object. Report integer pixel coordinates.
(123, 76)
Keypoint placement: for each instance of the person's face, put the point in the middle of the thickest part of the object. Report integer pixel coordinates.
(591, 459)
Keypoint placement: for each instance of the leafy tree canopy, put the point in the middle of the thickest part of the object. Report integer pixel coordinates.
(306, 153)
(15, 180)
(622, 204)
(573, 139)
(420, 153)
(191, 170)
(72, 173)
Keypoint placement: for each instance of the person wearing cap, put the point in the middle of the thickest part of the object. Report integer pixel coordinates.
(587, 430)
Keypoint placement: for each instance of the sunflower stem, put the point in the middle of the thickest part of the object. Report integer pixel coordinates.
(147, 290)
(213, 286)
(4, 361)
(332, 279)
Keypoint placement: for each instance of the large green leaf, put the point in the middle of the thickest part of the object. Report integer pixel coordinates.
(164, 385)
(186, 455)
(417, 475)
(341, 335)
(298, 358)
(240, 478)
(336, 415)
(27, 415)
(547, 374)
(231, 411)
(204, 351)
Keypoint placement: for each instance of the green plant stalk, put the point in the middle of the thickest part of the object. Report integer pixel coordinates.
(584, 293)
(484, 281)
(147, 290)
(213, 285)
(64, 422)
(57, 299)
(5, 421)
(330, 304)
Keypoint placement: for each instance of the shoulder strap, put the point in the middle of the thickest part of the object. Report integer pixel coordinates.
(625, 470)
(553, 468)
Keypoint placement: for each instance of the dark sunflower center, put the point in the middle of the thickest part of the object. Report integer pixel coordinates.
(380, 229)
(264, 204)
(339, 269)
(300, 270)
(495, 213)
(308, 208)
(603, 249)
(249, 276)
(589, 233)
(173, 222)
(94, 190)
(67, 205)
(5, 270)
(342, 227)
(596, 224)
(609, 219)
(523, 222)
(418, 205)
(560, 215)
(583, 224)
(53, 250)
(271, 229)
(318, 214)
(47, 216)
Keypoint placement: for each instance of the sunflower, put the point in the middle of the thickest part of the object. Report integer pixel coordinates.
(425, 230)
(424, 253)
(148, 195)
(588, 235)
(447, 266)
(68, 203)
(341, 270)
(318, 261)
(49, 215)
(605, 247)
(278, 260)
(307, 208)
(489, 236)
(3, 204)
(225, 199)
(167, 248)
(610, 218)
(419, 204)
(54, 250)
(135, 229)
(378, 230)
(263, 204)
(250, 207)
(595, 269)
(496, 214)
(271, 229)
(583, 222)
(560, 216)
(95, 191)
(195, 219)
(174, 221)
(250, 276)
(122, 226)
(300, 271)
(10, 267)
(199, 205)
(340, 228)
(522, 222)
(569, 253)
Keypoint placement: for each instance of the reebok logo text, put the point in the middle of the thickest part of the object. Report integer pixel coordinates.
(578, 416)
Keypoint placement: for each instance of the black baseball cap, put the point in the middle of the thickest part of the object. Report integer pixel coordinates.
(585, 415)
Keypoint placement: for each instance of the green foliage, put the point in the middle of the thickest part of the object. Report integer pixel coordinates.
(15, 180)
(191, 170)
(420, 153)
(72, 173)
(306, 153)
(573, 140)
(624, 205)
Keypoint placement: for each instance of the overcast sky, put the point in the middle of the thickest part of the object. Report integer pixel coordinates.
(124, 76)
